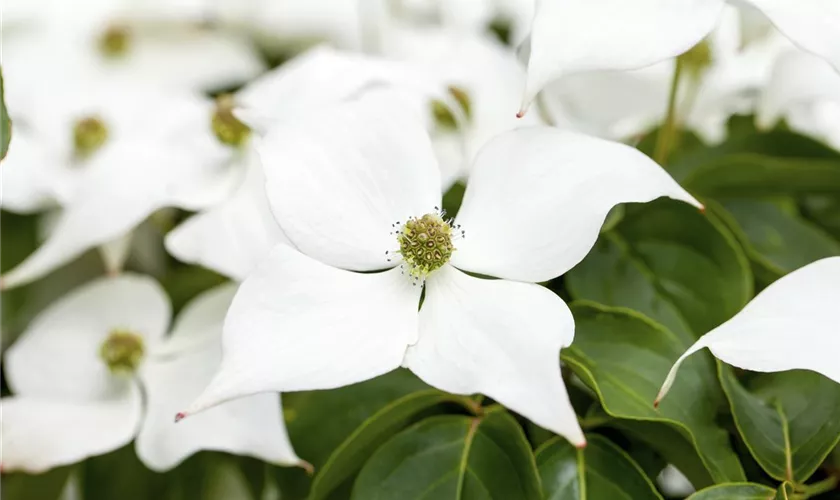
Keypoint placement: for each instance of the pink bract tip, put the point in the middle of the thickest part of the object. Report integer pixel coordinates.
(180, 416)
(520, 113)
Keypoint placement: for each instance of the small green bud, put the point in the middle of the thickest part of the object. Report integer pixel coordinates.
(228, 129)
(122, 351)
(443, 115)
(425, 244)
(697, 59)
(115, 41)
(89, 134)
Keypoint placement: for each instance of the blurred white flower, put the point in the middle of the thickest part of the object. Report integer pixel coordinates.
(109, 156)
(483, 75)
(790, 325)
(158, 43)
(805, 91)
(339, 182)
(571, 36)
(232, 236)
(79, 372)
(674, 483)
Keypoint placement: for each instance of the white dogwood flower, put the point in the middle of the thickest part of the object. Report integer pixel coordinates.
(571, 36)
(109, 156)
(80, 371)
(356, 190)
(790, 325)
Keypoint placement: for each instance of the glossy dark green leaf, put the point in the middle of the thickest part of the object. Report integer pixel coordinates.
(46, 486)
(602, 470)
(453, 457)
(824, 211)
(671, 444)
(775, 236)
(5, 122)
(735, 491)
(788, 420)
(672, 263)
(311, 416)
(625, 356)
(349, 456)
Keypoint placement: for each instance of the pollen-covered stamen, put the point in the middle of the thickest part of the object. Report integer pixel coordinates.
(425, 243)
(89, 134)
(444, 118)
(122, 351)
(227, 127)
(115, 41)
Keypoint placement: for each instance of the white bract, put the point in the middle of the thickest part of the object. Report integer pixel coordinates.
(156, 43)
(356, 191)
(80, 371)
(792, 324)
(571, 36)
(722, 76)
(109, 156)
(232, 236)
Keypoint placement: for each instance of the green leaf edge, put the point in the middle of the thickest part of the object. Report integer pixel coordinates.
(637, 315)
(770, 491)
(722, 366)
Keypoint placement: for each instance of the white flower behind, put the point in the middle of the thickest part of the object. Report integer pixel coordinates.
(109, 156)
(357, 189)
(79, 370)
(792, 324)
(571, 36)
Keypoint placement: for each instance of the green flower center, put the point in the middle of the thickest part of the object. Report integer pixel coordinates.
(122, 351)
(228, 129)
(444, 118)
(697, 59)
(426, 243)
(89, 134)
(115, 41)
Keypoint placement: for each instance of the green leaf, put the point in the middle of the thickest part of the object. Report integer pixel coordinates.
(5, 122)
(788, 420)
(672, 263)
(453, 457)
(601, 470)
(350, 454)
(671, 444)
(760, 175)
(624, 357)
(311, 415)
(46, 486)
(733, 491)
(774, 235)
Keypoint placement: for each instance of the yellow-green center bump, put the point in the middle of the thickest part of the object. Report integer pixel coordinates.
(115, 42)
(425, 244)
(122, 351)
(89, 134)
(444, 118)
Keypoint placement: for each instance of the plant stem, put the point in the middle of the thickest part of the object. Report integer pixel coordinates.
(820, 487)
(666, 133)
